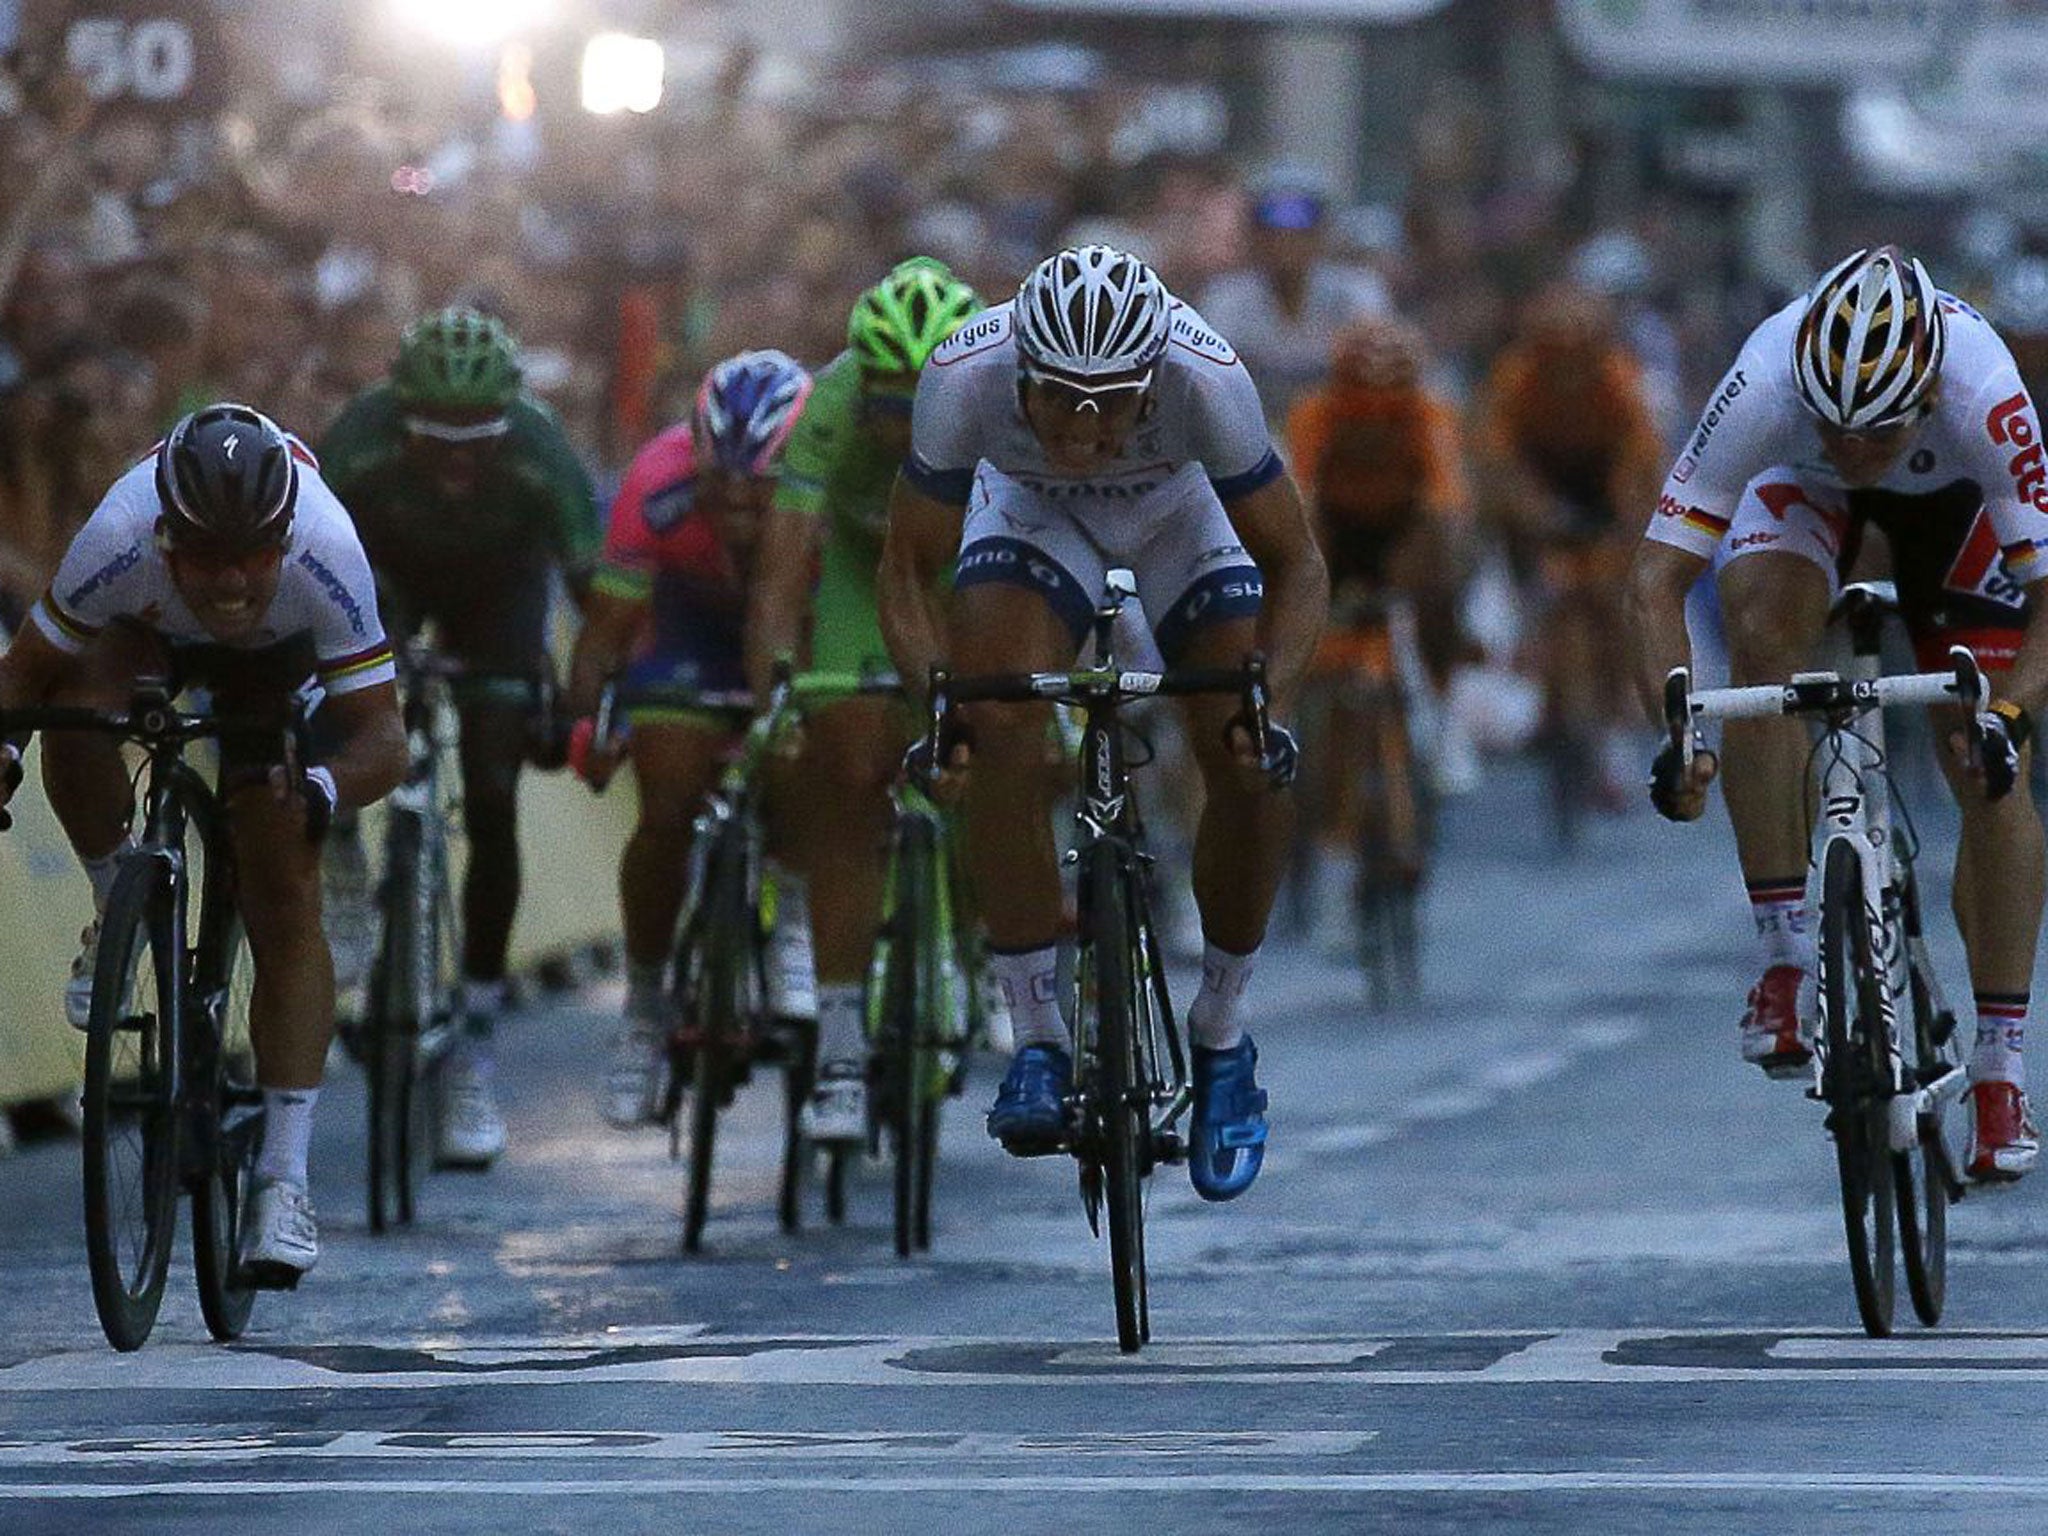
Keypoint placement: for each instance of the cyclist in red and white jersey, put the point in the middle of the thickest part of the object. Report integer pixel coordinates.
(222, 559)
(1876, 403)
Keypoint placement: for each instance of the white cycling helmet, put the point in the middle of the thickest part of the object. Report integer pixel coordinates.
(1869, 346)
(1093, 318)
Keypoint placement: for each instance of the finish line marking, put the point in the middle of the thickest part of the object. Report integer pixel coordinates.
(1833, 1484)
(746, 1445)
(1592, 1357)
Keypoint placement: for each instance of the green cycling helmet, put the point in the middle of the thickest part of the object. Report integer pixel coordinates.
(897, 324)
(456, 360)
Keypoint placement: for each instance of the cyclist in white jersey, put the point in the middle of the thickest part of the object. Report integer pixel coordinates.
(1097, 423)
(222, 559)
(1876, 402)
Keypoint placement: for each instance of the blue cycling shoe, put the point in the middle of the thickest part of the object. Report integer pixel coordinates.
(1227, 1138)
(1030, 1114)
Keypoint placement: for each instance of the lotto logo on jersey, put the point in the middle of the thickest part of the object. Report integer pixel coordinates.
(2010, 424)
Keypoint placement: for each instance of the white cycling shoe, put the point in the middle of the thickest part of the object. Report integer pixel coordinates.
(470, 1130)
(78, 989)
(838, 1107)
(280, 1238)
(637, 1080)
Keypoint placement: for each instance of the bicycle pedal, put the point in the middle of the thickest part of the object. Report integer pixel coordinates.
(270, 1277)
(1169, 1147)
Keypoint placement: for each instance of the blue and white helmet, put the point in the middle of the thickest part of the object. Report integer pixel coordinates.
(746, 409)
(1093, 318)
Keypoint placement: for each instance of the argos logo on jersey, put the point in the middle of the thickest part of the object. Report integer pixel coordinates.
(975, 336)
(2010, 424)
(1199, 339)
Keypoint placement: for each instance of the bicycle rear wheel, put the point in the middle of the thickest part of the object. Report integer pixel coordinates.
(1856, 1088)
(1122, 1100)
(130, 1130)
(720, 1004)
(224, 978)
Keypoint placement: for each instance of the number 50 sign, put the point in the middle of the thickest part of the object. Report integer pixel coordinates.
(139, 58)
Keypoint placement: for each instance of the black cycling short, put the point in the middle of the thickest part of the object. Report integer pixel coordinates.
(1953, 587)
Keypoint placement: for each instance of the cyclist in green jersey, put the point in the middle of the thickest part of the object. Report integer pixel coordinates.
(830, 513)
(470, 502)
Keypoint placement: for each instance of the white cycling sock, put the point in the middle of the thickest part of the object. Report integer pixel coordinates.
(100, 873)
(1030, 980)
(287, 1134)
(1212, 1017)
(1783, 925)
(482, 1002)
(2001, 1033)
(842, 1025)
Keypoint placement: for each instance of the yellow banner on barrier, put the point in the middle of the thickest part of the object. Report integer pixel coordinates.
(570, 842)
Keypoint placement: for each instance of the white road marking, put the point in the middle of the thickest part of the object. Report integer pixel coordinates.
(702, 1445)
(1831, 1484)
(1569, 1356)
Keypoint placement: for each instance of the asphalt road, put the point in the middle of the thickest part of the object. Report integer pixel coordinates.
(1541, 1255)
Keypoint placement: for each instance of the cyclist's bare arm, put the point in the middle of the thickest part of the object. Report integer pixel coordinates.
(782, 592)
(31, 672)
(1274, 527)
(371, 759)
(1657, 584)
(610, 623)
(2026, 683)
(924, 536)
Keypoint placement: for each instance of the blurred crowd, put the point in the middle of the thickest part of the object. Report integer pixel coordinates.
(268, 237)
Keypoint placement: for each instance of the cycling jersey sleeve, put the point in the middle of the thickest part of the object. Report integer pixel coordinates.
(2012, 470)
(820, 439)
(964, 386)
(351, 650)
(1741, 431)
(577, 530)
(364, 438)
(105, 573)
(631, 551)
(1227, 429)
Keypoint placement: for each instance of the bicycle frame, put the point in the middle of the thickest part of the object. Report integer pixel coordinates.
(1854, 799)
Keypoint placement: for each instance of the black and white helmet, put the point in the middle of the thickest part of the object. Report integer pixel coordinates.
(1869, 346)
(227, 482)
(1092, 318)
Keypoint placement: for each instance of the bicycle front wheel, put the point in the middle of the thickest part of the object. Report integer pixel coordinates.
(130, 1151)
(224, 978)
(908, 1028)
(1121, 1095)
(1857, 1087)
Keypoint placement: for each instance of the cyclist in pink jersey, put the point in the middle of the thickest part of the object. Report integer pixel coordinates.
(668, 610)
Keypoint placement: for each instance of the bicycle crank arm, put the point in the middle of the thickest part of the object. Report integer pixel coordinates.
(1904, 1111)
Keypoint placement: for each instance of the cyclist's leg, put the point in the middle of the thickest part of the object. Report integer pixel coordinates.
(1776, 570)
(84, 777)
(1019, 606)
(2001, 880)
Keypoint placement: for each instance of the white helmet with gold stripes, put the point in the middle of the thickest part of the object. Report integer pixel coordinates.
(1869, 346)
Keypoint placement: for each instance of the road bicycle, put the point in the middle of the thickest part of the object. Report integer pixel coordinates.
(1888, 1060)
(1385, 794)
(922, 1008)
(1131, 1087)
(718, 983)
(171, 1102)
